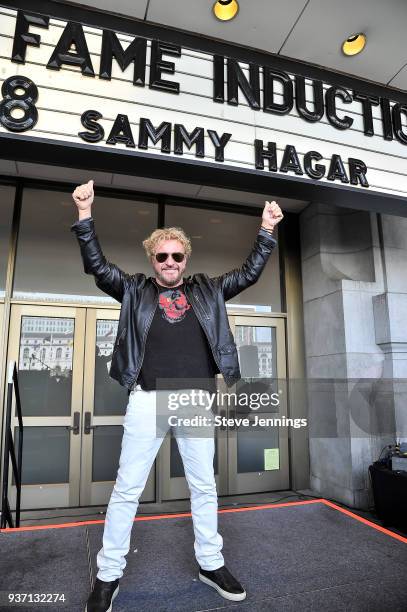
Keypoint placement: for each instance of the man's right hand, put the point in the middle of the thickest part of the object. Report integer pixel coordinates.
(83, 196)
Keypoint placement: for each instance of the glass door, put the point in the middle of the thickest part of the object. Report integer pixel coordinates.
(257, 440)
(47, 344)
(104, 406)
(72, 410)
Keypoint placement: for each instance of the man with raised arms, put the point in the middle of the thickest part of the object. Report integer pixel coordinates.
(172, 327)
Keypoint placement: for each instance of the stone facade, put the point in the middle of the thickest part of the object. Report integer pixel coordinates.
(355, 320)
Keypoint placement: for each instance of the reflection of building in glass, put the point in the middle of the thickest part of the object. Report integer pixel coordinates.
(107, 393)
(106, 331)
(259, 339)
(46, 343)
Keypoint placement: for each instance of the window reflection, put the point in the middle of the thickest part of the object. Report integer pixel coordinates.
(105, 464)
(254, 446)
(221, 241)
(46, 246)
(256, 347)
(110, 398)
(45, 455)
(45, 365)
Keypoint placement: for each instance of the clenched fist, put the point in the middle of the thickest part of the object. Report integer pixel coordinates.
(83, 195)
(271, 215)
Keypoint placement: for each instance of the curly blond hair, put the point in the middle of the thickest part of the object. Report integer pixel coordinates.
(166, 233)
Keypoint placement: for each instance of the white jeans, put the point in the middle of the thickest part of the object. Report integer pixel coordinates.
(139, 448)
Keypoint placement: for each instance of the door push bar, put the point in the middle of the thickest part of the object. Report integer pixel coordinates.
(76, 423)
(75, 428)
(88, 427)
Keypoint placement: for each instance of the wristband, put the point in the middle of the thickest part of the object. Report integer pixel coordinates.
(266, 229)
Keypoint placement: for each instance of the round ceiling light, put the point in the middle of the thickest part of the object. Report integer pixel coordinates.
(225, 9)
(354, 44)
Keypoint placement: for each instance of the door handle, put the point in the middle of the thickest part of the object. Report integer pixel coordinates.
(76, 423)
(88, 427)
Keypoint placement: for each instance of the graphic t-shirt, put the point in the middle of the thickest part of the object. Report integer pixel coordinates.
(176, 346)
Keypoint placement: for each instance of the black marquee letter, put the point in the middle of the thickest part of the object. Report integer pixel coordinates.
(181, 136)
(237, 78)
(301, 99)
(135, 52)
(163, 133)
(332, 92)
(219, 144)
(22, 37)
(357, 170)
(72, 35)
(218, 78)
(158, 66)
(121, 132)
(261, 154)
(386, 118)
(269, 106)
(397, 126)
(89, 120)
(367, 102)
(319, 170)
(337, 170)
(290, 161)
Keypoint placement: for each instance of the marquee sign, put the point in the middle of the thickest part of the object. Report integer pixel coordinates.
(244, 112)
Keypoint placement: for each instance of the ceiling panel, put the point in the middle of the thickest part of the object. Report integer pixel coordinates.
(131, 8)
(325, 24)
(148, 185)
(400, 80)
(57, 173)
(249, 199)
(139, 183)
(263, 24)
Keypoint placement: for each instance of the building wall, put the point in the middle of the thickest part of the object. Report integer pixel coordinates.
(354, 296)
(390, 313)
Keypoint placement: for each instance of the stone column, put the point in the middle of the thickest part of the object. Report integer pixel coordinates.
(390, 314)
(341, 272)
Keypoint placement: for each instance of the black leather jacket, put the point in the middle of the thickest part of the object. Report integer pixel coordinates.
(138, 296)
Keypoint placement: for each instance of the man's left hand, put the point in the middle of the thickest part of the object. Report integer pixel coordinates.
(271, 215)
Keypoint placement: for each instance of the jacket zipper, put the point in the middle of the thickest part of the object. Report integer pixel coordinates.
(119, 339)
(203, 309)
(144, 339)
(203, 327)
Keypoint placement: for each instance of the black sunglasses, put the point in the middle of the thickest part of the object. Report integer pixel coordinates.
(177, 257)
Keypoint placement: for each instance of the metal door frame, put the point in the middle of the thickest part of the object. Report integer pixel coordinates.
(98, 493)
(267, 480)
(55, 494)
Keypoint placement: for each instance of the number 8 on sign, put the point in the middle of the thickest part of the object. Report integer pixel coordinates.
(24, 101)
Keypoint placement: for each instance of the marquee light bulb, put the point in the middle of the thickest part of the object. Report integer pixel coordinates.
(225, 10)
(354, 44)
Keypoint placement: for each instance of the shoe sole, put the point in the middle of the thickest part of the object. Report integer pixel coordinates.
(225, 594)
(111, 602)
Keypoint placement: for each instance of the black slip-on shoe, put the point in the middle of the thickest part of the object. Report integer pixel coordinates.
(101, 598)
(223, 581)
